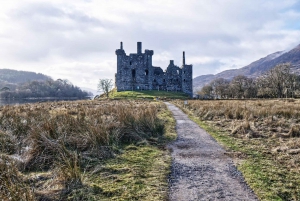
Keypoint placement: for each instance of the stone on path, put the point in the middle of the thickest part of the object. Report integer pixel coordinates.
(200, 169)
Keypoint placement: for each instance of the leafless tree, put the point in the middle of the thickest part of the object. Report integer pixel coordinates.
(206, 91)
(279, 81)
(250, 88)
(105, 85)
(220, 87)
(239, 85)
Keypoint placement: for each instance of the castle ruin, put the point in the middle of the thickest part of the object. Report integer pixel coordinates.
(136, 72)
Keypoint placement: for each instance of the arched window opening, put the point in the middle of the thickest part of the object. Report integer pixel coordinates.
(130, 62)
(164, 80)
(183, 80)
(177, 72)
(146, 72)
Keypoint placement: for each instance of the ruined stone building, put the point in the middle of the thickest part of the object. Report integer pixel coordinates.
(136, 72)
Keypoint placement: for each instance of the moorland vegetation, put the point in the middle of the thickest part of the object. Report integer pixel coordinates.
(85, 150)
(262, 136)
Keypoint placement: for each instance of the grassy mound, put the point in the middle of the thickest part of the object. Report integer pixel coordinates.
(145, 95)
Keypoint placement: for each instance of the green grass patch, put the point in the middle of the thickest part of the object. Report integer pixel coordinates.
(269, 179)
(147, 95)
(140, 173)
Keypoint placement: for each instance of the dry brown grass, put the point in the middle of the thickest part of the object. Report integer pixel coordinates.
(62, 140)
(266, 118)
(267, 132)
(12, 185)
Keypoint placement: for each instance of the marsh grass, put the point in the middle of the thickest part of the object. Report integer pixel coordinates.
(55, 147)
(12, 185)
(262, 136)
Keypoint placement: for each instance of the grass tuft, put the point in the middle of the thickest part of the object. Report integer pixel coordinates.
(74, 150)
(12, 184)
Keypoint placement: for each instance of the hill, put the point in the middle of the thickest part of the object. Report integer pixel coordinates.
(256, 68)
(14, 76)
(23, 84)
(145, 95)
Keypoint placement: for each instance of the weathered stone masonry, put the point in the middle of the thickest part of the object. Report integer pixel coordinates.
(136, 72)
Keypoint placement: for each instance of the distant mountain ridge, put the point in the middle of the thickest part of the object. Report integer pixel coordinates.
(15, 76)
(256, 68)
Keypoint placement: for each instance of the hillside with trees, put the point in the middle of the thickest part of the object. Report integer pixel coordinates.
(256, 68)
(278, 82)
(23, 84)
(14, 76)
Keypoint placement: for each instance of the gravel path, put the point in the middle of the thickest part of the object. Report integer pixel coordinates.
(200, 169)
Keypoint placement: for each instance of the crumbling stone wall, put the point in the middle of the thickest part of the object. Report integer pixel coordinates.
(135, 72)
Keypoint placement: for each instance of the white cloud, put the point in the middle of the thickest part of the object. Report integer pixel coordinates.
(77, 39)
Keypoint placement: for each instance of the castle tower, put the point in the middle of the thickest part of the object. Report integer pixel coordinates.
(139, 47)
(134, 71)
(120, 57)
(187, 77)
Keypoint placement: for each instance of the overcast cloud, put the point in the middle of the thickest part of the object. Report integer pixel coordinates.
(77, 39)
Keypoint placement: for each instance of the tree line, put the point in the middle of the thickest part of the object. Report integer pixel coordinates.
(279, 82)
(38, 89)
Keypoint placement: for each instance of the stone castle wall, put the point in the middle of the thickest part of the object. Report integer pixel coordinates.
(136, 72)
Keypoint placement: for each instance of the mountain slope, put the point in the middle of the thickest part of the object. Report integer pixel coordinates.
(23, 84)
(14, 76)
(256, 68)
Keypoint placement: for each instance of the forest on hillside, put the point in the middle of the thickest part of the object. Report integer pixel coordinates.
(15, 76)
(39, 89)
(25, 84)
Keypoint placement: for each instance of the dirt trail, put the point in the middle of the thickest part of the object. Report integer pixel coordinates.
(200, 169)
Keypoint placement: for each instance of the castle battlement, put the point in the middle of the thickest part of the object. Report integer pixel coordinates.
(136, 72)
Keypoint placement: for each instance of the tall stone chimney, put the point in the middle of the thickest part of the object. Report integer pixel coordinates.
(121, 45)
(183, 58)
(139, 47)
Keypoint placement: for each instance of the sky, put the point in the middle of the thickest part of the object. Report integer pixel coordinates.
(77, 39)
